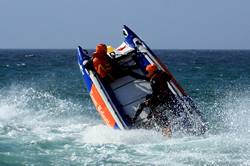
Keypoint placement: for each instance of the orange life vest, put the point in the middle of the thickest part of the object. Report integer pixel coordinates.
(102, 66)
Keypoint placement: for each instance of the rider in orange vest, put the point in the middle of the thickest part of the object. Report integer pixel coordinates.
(160, 94)
(160, 91)
(102, 63)
(107, 68)
(158, 80)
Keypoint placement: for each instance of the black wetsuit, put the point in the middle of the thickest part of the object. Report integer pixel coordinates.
(158, 82)
(160, 94)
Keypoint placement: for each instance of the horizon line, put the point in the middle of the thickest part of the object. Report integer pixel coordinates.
(151, 48)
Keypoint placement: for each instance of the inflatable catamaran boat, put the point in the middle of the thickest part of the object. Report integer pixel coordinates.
(121, 98)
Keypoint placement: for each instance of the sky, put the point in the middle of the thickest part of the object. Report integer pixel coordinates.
(162, 24)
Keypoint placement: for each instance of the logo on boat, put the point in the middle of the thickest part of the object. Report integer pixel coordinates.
(120, 49)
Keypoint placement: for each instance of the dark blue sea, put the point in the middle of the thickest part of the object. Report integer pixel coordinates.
(47, 117)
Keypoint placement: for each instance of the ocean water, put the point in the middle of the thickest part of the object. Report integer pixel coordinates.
(47, 118)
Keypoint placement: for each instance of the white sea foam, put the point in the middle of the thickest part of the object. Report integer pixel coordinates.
(41, 114)
(100, 134)
(235, 113)
(38, 118)
(28, 55)
(21, 64)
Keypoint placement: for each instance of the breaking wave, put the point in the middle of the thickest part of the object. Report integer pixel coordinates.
(38, 119)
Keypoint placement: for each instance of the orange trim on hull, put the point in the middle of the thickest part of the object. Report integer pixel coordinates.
(101, 107)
